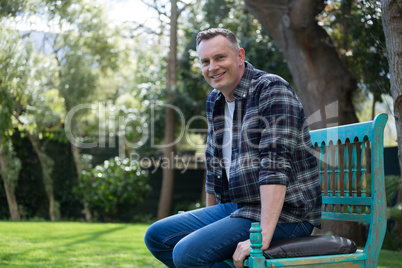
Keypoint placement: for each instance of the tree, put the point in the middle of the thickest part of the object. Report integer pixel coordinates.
(319, 74)
(392, 23)
(83, 53)
(166, 195)
(15, 65)
(165, 198)
(356, 30)
(9, 168)
(79, 49)
(20, 100)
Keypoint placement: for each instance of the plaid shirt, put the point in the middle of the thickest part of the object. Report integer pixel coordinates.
(270, 145)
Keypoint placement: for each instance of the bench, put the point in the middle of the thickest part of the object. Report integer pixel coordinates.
(351, 169)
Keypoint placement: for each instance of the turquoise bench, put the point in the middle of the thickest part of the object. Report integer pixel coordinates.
(351, 168)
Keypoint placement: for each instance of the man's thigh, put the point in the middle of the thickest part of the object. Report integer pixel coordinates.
(171, 230)
(213, 243)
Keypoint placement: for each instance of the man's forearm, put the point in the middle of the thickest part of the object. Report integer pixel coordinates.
(211, 200)
(272, 198)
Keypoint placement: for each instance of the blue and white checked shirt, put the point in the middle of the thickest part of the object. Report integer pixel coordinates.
(271, 145)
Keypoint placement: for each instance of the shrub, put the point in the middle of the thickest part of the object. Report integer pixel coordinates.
(112, 187)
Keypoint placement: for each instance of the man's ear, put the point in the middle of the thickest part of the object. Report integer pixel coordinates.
(241, 54)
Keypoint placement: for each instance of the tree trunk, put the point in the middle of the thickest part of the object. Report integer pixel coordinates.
(392, 22)
(11, 199)
(373, 107)
(165, 200)
(46, 173)
(324, 85)
(51, 206)
(77, 161)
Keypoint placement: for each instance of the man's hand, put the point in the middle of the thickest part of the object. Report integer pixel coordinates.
(242, 251)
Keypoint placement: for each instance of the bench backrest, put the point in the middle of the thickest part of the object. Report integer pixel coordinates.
(351, 166)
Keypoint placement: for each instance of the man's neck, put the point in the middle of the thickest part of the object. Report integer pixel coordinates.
(229, 94)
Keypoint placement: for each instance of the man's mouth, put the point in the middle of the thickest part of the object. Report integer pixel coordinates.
(217, 76)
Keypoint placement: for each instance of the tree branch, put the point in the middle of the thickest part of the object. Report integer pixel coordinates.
(185, 6)
(155, 7)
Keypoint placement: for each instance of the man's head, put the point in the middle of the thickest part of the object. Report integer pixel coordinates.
(211, 33)
(222, 60)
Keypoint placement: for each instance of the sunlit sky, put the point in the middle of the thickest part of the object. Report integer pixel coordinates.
(119, 11)
(129, 10)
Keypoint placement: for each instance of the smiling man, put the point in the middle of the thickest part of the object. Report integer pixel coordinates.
(259, 160)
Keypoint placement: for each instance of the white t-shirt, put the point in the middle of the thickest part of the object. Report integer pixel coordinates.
(227, 136)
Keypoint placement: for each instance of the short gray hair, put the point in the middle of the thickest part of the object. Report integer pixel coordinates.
(211, 33)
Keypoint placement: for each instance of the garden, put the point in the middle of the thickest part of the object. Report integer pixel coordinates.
(103, 121)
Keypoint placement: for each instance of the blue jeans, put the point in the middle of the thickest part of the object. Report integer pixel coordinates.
(206, 237)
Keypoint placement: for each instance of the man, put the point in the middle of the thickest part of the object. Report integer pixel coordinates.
(260, 165)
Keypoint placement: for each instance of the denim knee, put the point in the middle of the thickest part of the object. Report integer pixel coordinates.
(151, 238)
(184, 255)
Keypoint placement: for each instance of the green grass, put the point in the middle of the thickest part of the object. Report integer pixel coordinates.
(71, 244)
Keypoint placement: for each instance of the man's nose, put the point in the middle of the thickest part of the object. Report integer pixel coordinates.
(212, 66)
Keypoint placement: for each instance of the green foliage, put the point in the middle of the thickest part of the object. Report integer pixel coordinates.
(392, 185)
(11, 7)
(187, 206)
(15, 68)
(357, 31)
(392, 240)
(112, 186)
(216, 11)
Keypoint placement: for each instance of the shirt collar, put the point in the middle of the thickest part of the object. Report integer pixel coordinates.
(243, 87)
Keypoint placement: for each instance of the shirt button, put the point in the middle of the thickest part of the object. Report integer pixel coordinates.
(219, 177)
(218, 196)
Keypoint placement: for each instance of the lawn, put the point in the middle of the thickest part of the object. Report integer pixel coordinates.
(71, 244)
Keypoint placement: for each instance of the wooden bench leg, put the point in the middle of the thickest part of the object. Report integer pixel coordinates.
(256, 259)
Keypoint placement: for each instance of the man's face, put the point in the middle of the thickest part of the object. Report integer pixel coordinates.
(222, 65)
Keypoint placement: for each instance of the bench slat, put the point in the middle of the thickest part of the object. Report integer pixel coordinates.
(363, 218)
(359, 130)
(346, 200)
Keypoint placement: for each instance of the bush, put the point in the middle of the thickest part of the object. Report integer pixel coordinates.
(112, 187)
